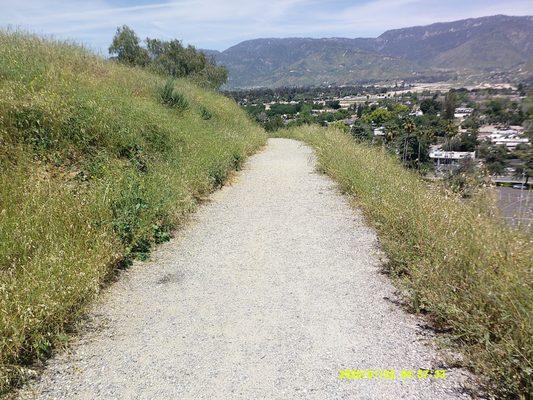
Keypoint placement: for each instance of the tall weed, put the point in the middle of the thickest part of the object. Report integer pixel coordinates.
(454, 258)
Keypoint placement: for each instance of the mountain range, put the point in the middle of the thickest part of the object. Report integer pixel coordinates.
(444, 51)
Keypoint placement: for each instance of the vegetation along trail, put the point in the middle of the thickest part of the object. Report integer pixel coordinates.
(271, 292)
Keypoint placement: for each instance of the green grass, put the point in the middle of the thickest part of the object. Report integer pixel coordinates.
(453, 259)
(95, 168)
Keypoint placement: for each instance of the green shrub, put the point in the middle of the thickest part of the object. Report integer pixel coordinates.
(206, 114)
(454, 258)
(171, 97)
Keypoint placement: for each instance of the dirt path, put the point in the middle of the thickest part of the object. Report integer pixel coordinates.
(272, 290)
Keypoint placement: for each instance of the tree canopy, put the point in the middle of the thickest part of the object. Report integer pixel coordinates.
(167, 58)
(127, 47)
(430, 106)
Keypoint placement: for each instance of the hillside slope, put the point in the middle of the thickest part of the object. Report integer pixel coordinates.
(94, 170)
(485, 44)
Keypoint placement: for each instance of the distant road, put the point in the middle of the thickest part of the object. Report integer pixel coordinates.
(507, 179)
(268, 294)
(516, 206)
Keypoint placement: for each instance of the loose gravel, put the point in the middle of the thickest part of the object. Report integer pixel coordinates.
(270, 291)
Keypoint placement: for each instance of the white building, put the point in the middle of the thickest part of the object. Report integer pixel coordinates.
(463, 112)
(507, 137)
(510, 142)
(379, 131)
(446, 160)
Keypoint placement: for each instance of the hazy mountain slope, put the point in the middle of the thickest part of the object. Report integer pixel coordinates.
(478, 39)
(275, 62)
(272, 61)
(490, 51)
(478, 44)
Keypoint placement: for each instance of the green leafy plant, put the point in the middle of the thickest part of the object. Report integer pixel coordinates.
(206, 114)
(171, 97)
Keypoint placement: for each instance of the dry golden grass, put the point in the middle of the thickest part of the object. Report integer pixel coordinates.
(454, 260)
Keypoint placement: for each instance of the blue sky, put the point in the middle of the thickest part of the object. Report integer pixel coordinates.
(218, 24)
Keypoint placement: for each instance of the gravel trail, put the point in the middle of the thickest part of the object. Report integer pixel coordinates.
(269, 292)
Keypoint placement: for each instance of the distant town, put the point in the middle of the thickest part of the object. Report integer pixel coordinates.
(465, 136)
(485, 123)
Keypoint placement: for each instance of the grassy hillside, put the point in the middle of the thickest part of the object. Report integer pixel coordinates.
(454, 260)
(97, 163)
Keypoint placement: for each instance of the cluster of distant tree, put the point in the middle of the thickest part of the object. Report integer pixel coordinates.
(407, 135)
(410, 136)
(167, 58)
(281, 115)
(503, 111)
(305, 93)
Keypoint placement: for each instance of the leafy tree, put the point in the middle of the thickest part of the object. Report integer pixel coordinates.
(360, 109)
(280, 109)
(431, 126)
(126, 46)
(525, 169)
(413, 150)
(450, 130)
(212, 76)
(342, 114)
(471, 123)
(521, 89)
(466, 141)
(168, 58)
(379, 116)
(305, 108)
(172, 58)
(400, 110)
(483, 149)
(335, 104)
(449, 105)
(361, 131)
(496, 159)
(274, 124)
(452, 144)
(494, 109)
(255, 110)
(469, 140)
(325, 117)
(430, 106)
(505, 112)
(409, 126)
